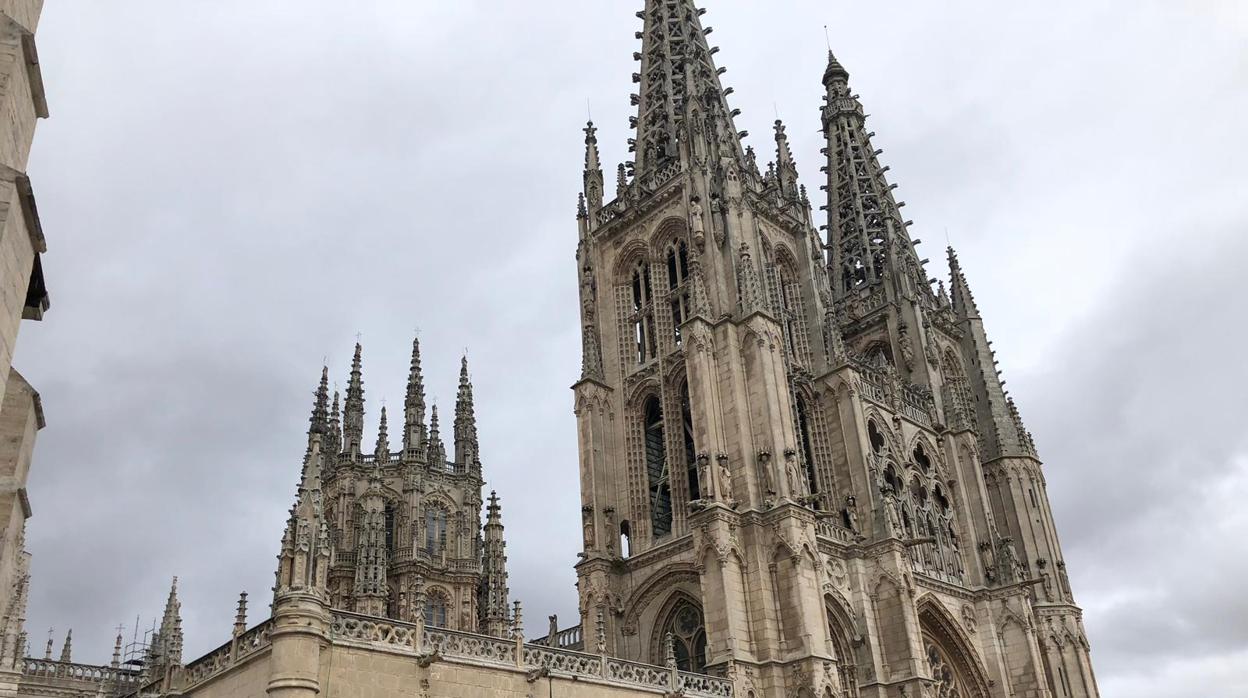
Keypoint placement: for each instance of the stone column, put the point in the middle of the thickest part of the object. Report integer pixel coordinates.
(300, 633)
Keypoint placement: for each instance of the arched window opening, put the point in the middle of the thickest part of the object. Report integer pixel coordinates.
(880, 356)
(918, 493)
(677, 286)
(625, 533)
(688, 637)
(875, 437)
(921, 459)
(435, 530)
(656, 470)
(691, 458)
(435, 609)
(890, 479)
(643, 314)
(808, 453)
(942, 502)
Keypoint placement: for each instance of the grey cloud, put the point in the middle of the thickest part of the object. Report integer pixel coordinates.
(232, 190)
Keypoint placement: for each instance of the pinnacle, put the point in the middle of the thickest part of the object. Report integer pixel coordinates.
(834, 70)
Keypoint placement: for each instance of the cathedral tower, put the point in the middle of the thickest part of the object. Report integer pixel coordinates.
(797, 459)
(402, 529)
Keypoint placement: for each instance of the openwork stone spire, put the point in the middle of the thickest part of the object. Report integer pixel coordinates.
(353, 407)
(866, 236)
(414, 435)
(678, 81)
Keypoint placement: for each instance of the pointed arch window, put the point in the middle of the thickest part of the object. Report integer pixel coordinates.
(435, 609)
(389, 522)
(642, 318)
(688, 632)
(660, 490)
(677, 286)
(808, 452)
(435, 530)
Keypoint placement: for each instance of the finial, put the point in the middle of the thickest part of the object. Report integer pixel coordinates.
(240, 618)
(669, 643)
(601, 628)
(517, 622)
(66, 649)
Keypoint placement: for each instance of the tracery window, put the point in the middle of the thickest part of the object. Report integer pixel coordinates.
(949, 684)
(435, 609)
(435, 530)
(660, 490)
(642, 318)
(677, 286)
(792, 313)
(688, 637)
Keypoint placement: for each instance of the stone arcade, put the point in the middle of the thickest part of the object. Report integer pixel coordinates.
(800, 472)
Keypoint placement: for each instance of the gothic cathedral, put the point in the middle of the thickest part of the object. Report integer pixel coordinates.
(799, 467)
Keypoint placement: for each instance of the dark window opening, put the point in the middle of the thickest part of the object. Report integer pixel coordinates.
(921, 459)
(691, 459)
(876, 438)
(656, 470)
(808, 454)
(625, 545)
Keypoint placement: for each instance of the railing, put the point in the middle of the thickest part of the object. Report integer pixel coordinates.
(47, 668)
(916, 403)
(392, 635)
(827, 529)
(229, 654)
(572, 638)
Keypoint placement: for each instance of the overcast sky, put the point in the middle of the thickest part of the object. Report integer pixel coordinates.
(232, 190)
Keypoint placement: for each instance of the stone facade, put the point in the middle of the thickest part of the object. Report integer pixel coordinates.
(801, 475)
(23, 295)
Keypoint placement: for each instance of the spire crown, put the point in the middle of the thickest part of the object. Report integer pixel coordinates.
(835, 71)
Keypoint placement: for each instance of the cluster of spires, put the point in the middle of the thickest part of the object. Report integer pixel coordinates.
(342, 433)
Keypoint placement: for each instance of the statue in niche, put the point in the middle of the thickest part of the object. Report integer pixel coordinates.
(851, 513)
(725, 478)
(797, 482)
(696, 224)
(587, 523)
(704, 475)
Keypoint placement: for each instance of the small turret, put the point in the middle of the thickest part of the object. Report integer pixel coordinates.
(381, 452)
(333, 436)
(437, 450)
(116, 651)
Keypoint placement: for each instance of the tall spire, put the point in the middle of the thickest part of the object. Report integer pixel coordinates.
(67, 648)
(1001, 429)
(414, 435)
(466, 447)
(381, 453)
(679, 82)
(353, 407)
(593, 170)
(493, 592)
(866, 236)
